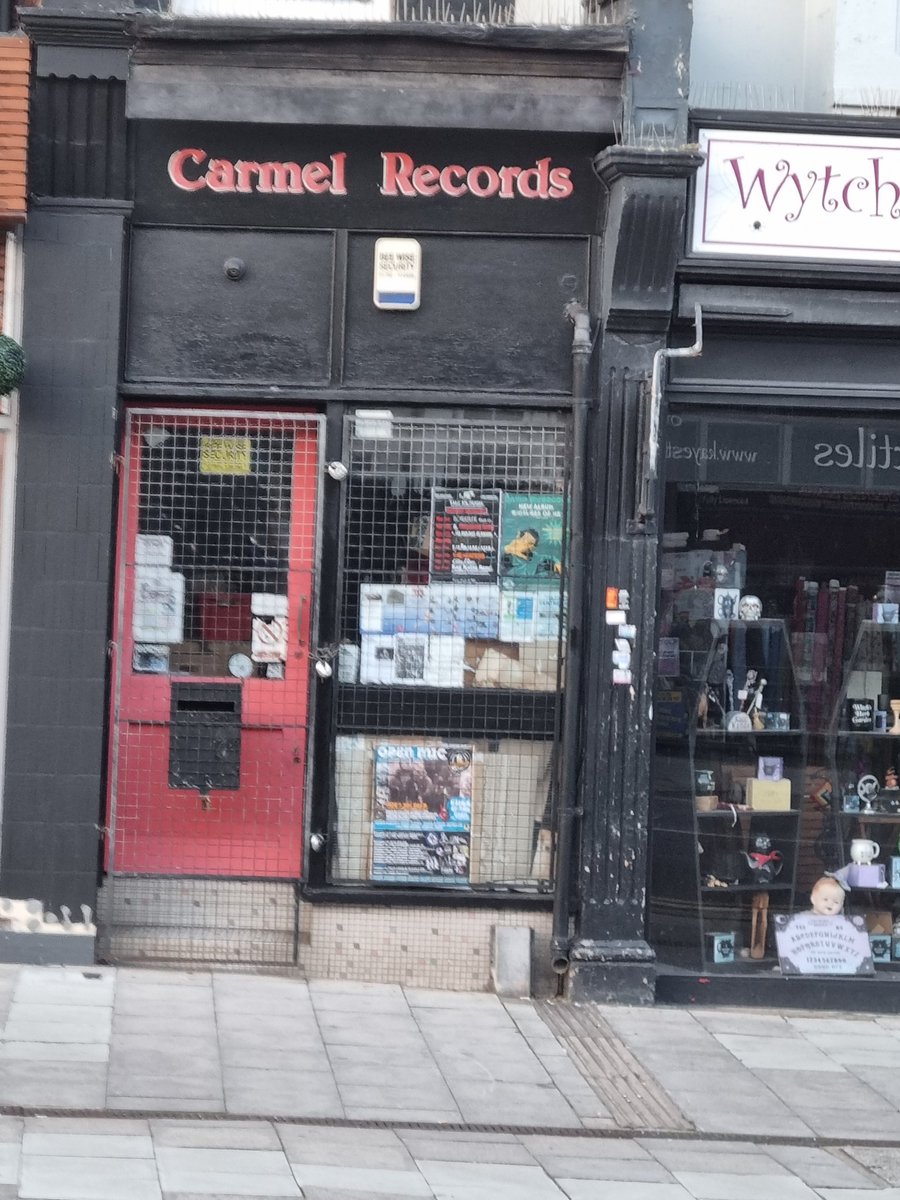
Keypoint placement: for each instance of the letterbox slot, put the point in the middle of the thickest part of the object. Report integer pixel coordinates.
(205, 706)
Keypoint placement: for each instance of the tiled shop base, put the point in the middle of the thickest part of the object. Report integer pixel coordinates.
(420, 947)
(257, 923)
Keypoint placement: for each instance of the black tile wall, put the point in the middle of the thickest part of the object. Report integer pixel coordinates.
(52, 800)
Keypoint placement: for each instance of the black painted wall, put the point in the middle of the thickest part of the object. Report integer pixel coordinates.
(55, 739)
(491, 316)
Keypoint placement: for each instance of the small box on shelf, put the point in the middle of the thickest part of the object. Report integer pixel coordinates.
(769, 795)
(867, 875)
(721, 947)
(894, 875)
(881, 946)
(859, 714)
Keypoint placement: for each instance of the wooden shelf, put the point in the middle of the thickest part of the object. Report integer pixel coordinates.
(749, 888)
(724, 734)
(868, 734)
(720, 813)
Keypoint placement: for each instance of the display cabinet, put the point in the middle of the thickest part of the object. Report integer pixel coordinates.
(865, 756)
(729, 781)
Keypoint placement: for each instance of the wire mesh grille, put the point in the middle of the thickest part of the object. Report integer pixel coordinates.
(216, 569)
(452, 614)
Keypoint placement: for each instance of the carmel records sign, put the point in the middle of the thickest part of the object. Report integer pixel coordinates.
(773, 195)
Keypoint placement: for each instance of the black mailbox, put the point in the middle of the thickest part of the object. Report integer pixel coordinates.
(205, 741)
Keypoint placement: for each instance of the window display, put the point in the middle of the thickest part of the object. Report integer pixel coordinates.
(775, 786)
(452, 613)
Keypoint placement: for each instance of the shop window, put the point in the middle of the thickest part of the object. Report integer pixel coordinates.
(449, 662)
(778, 688)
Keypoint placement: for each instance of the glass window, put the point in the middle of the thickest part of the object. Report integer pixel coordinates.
(448, 668)
(778, 686)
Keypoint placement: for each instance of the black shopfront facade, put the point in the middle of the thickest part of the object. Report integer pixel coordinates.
(774, 758)
(332, 449)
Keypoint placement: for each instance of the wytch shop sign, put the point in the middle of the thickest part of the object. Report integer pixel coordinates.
(798, 196)
(289, 176)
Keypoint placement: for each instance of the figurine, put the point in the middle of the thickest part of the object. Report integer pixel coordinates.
(827, 897)
(890, 779)
(754, 703)
(750, 608)
(867, 789)
(759, 924)
(765, 863)
(863, 851)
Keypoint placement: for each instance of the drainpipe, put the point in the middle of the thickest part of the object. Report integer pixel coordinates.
(651, 473)
(582, 348)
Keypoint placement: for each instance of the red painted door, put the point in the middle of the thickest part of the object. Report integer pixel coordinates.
(215, 573)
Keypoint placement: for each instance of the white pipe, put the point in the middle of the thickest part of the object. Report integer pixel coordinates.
(656, 390)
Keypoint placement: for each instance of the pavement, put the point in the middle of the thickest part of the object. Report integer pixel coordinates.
(134, 1084)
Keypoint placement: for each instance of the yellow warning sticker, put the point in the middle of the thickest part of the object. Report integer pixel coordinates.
(225, 455)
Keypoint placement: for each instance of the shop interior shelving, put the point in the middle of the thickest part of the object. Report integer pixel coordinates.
(688, 911)
(856, 753)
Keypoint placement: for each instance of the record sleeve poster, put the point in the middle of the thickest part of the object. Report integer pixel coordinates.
(422, 815)
(464, 528)
(531, 537)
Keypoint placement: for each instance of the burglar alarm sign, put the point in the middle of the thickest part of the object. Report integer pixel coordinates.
(398, 273)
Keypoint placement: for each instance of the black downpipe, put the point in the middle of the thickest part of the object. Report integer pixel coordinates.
(569, 809)
(6, 16)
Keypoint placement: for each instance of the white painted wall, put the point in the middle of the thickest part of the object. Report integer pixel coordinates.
(12, 326)
(768, 54)
(287, 10)
(867, 56)
(527, 12)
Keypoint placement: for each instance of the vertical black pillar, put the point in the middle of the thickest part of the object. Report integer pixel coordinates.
(52, 799)
(646, 196)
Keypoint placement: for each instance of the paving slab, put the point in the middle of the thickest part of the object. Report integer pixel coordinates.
(234, 1135)
(528, 1183)
(377, 1148)
(65, 1178)
(585, 1189)
(822, 1168)
(10, 1154)
(88, 1145)
(370, 1179)
(713, 1185)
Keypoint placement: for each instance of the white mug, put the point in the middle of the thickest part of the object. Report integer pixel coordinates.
(863, 852)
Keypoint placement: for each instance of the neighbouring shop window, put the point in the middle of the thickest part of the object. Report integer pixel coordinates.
(777, 692)
(453, 591)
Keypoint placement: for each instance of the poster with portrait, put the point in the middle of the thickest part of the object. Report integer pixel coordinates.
(531, 538)
(422, 814)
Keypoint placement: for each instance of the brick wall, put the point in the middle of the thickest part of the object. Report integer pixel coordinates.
(15, 58)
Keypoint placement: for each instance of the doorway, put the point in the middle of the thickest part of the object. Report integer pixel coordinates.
(215, 596)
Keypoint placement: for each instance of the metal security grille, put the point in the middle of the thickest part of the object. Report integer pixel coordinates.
(452, 613)
(217, 563)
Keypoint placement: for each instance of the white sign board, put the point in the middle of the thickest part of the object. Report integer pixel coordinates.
(810, 944)
(158, 614)
(798, 196)
(398, 273)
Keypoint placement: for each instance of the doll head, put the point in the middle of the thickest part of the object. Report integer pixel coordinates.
(827, 897)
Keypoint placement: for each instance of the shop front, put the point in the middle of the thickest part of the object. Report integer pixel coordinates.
(775, 813)
(329, 570)
(340, 607)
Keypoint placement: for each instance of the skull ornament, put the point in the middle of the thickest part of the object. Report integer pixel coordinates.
(750, 608)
